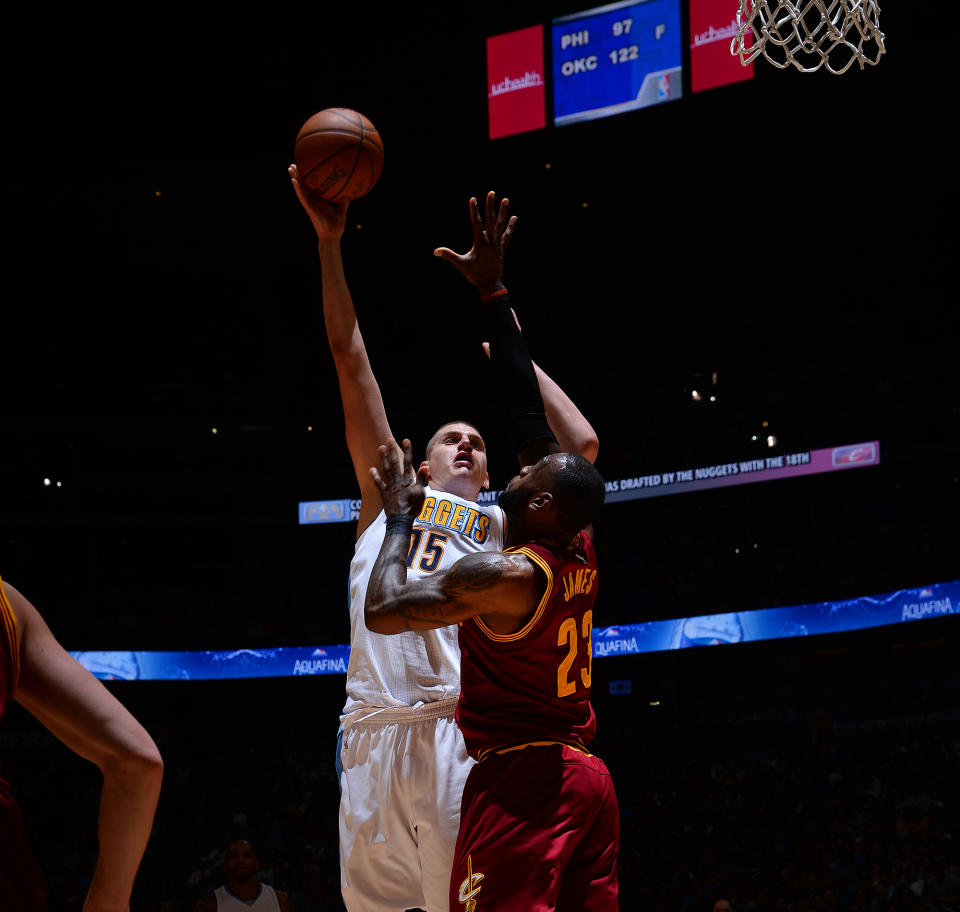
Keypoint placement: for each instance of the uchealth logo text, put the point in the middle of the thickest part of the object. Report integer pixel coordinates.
(528, 80)
(711, 34)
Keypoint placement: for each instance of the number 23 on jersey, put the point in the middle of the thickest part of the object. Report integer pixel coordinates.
(577, 639)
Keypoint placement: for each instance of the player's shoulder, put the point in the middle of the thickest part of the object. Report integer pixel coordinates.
(18, 611)
(530, 560)
(579, 550)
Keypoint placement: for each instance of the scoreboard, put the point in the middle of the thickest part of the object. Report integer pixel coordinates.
(616, 58)
(607, 60)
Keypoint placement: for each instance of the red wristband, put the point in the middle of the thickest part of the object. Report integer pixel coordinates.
(493, 294)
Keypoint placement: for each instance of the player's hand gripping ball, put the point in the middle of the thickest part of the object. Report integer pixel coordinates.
(338, 154)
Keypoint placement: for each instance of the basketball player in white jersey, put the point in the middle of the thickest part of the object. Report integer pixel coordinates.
(243, 890)
(403, 759)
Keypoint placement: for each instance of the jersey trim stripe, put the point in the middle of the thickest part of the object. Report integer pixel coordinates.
(523, 631)
(9, 624)
(575, 745)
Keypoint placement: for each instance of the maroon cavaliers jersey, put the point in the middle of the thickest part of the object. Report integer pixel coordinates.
(534, 685)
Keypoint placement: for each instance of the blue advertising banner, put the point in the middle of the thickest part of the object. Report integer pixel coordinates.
(211, 665)
(937, 600)
(898, 607)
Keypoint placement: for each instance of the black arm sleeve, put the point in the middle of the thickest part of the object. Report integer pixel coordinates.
(515, 379)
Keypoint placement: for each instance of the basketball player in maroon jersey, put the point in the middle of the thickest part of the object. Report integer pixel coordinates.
(37, 672)
(539, 825)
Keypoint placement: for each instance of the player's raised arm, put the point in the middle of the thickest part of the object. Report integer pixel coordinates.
(365, 419)
(573, 432)
(483, 267)
(79, 711)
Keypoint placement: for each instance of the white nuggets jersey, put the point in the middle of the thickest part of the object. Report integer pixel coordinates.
(416, 666)
(266, 902)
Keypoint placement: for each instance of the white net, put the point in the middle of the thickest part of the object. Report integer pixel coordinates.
(809, 34)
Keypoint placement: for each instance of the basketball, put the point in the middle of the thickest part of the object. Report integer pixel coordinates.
(338, 154)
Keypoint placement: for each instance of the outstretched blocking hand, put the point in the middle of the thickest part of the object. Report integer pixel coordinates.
(403, 490)
(482, 265)
(329, 219)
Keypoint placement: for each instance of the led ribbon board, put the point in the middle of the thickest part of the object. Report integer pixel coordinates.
(902, 606)
(745, 471)
(670, 481)
(937, 600)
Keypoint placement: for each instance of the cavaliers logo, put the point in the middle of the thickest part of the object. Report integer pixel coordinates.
(470, 888)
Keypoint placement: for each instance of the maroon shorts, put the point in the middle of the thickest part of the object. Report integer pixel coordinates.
(539, 831)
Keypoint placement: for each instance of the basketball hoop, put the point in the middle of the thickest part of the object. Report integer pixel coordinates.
(809, 34)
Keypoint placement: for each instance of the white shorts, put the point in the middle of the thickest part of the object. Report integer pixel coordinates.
(400, 789)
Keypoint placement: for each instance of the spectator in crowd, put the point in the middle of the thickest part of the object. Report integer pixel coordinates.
(242, 888)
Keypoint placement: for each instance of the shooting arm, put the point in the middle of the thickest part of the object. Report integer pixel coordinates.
(365, 419)
(79, 711)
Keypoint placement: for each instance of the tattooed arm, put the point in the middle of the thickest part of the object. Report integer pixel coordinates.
(503, 589)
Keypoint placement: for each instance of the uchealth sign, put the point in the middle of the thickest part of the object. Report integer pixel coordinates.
(713, 25)
(516, 86)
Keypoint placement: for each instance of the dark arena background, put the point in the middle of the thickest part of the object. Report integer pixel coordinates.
(748, 272)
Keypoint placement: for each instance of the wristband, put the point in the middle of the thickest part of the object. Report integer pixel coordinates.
(493, 294)
(401, 524)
